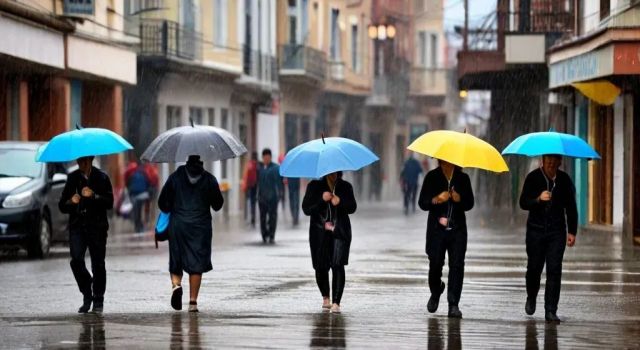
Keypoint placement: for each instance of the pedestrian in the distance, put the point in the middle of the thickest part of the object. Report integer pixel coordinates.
(86, 197)
(549, 196)
(446, 194)
(189, 195)
(329, 202)
(293, 185)
(250, 187)
(410, 173)
(270, 191)
(139, 188)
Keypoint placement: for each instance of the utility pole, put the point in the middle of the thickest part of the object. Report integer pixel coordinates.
(465, 39)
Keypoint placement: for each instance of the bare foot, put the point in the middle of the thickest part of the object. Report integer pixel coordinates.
(335, 309)
(326, 303)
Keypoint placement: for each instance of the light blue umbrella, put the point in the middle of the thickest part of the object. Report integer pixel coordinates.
(317, 158)
(551, 142)
(82, 142)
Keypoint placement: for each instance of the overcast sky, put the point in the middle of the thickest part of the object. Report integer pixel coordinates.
(454, 12)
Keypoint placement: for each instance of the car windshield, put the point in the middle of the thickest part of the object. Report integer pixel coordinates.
(19, 163)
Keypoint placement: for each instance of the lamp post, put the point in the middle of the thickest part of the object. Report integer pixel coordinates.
(379, 33)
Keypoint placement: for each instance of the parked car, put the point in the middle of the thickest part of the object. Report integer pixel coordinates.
(29, 194)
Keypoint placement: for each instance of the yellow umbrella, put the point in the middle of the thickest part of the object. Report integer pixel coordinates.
(600, 91)
(461, 149)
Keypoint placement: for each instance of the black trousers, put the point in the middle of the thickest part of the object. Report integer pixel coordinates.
(268, 219)
(251, 196)
(545, 248)
(96, 242)
(454, 243)
(410, 191)
(294, 205)
(322, 279)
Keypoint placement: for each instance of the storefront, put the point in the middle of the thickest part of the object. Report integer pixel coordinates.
(599, 75)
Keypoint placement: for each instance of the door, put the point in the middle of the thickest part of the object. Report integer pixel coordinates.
(56, 175)
(636, 170)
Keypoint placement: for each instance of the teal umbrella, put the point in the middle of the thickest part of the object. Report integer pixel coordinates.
(82, 142)
(551, 142)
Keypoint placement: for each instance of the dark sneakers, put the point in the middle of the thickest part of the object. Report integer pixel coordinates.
(530, 306)
(86, 305)
(98, 305)
(434, 301)
(176, 298)
(454, 311)
(551, 317)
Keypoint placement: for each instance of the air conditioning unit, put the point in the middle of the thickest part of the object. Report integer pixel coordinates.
(79, 8)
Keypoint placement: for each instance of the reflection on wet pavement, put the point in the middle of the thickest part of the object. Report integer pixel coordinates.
(266, 297)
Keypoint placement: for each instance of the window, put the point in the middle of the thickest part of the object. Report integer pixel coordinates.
(220, 23)
(433, 50)
(188, 12)
(422, 48)
(334, 50)
(195, 114)
(605, 8)
(355, 63)
(174, 117)
(212, 116)
(293, 22)
(224, 123)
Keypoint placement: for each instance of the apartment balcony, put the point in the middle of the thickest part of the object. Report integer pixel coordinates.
(302, 63)
(381, 93)
(428, 81)
(260, 70)
(512, 42)
(167, 39)
(336, 71)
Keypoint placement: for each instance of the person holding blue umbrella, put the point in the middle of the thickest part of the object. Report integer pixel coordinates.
(87, 196)
(328, 201)
(549, 195)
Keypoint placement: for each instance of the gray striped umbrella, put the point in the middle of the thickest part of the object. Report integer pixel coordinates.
(209, 142)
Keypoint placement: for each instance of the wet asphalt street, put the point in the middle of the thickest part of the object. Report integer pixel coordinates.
(265, 296)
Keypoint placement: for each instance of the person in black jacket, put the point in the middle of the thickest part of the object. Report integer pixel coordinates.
(447, 194)
(189, 195)
(329, 202)
(86, 197)
(549, 196)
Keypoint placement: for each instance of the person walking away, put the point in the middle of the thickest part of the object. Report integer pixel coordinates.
(293, 185)
(138, 186)
(153, 177)
(189, 195)
(329, 202)
(250, 182)
(446, 194)
(409, 177)
(87, 196)
(270, 191)
(549, 195)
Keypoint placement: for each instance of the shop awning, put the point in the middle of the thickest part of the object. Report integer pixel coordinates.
(600, 91)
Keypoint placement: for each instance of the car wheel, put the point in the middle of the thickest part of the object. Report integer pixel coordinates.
(42, 240)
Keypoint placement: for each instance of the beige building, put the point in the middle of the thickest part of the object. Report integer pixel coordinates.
(63, 63)
(212, 62)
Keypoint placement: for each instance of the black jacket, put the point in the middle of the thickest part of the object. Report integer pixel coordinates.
(329, 248)
(435, 183)
(556, 215)
(91, 213)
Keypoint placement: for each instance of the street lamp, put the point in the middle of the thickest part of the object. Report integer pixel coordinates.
(379, 33)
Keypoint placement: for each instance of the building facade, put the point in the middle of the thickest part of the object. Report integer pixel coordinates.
(62, 65)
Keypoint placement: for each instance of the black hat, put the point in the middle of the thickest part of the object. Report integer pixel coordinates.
(194, 159)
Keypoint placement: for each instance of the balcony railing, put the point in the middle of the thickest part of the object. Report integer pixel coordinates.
(311, 62)
(260, 66)
(169, 39)
(428, 81)
(336, 70)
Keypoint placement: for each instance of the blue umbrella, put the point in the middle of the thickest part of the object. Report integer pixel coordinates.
(317, 158)
(551, 142)
(80, 143)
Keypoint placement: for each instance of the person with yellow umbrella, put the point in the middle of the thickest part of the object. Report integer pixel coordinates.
(447, 194)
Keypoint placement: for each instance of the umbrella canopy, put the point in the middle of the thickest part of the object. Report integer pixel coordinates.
(209, 142)
(82, 142)
(461, 149)
(551, 142)
(317, 158)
